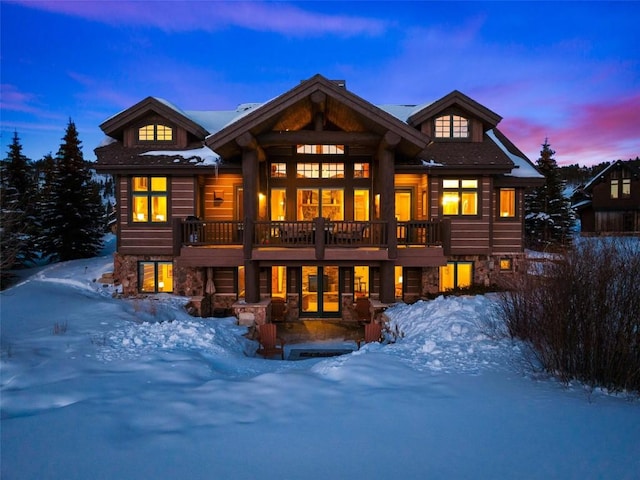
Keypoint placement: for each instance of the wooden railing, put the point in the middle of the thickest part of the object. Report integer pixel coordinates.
(328, 233)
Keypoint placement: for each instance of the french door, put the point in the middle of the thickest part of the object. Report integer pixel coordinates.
(320, 291)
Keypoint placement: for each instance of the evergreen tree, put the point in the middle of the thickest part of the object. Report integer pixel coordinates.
(72, 219)
(548, 216)
(16, 211)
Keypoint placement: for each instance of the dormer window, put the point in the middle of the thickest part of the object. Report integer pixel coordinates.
(620, 184)
(155, 133)
(451, 126)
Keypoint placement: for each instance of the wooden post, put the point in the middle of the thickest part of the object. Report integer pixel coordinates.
(386, 177)
(250, 154)
(319, 240)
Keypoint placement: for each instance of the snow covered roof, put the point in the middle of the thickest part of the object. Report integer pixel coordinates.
(200, 156)
(522, 167)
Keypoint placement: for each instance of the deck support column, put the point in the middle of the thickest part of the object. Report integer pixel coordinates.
(250, 158)
(386, 177)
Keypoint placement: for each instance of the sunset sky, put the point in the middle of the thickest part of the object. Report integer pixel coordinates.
(569, 71)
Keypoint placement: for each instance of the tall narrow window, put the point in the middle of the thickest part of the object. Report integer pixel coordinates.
(149, 199)
(507, 202)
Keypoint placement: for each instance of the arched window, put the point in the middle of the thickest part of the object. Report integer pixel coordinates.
(155, 133)
(451, 126)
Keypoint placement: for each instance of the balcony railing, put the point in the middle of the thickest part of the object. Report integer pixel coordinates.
(343, 234)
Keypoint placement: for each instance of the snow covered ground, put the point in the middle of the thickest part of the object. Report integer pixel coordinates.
(137, 389)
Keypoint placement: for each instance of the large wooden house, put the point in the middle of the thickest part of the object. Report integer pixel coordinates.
(609, 203)
(315, 197)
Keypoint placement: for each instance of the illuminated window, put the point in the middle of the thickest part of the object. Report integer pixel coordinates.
(278, 170)
(506, 264)
(308, 170)
(360, 170)
(321, 149)
(149, 199)
(241, 284)
(361, 281)
(333, 170)
(451, 126)
(398, 281)
(460, 197)
(155, 277)
(278, 204)
(456, 275)
(279, 282)
(620, 184)
(361, 204)
(507, 202)
(155, 133)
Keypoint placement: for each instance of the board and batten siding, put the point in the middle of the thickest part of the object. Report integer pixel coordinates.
(149, 239)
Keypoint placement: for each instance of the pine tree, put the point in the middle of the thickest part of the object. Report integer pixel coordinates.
(72, 218)
(549, 219)
(16, 212)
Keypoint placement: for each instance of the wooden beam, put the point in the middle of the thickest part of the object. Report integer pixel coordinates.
(390, 141)
(246, 141)
(310, 137)
(319, 98)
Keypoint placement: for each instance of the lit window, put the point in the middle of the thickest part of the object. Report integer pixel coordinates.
(333, 170)
(149, 199)
(626, 187)
(614, 188)
(155, 277)
(507, 202)
(155, 133)
(460, 197)
(506, 264)
(360, 170)
(398, 281)
(451, 126)
(278, 170)
(308, 170)
(456, 275)
(321, 149)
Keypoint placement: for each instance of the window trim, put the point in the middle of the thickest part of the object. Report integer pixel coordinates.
(155, 139)
(499, 215)
(452, 128)
(455, 264)
(459, 191)
(156, 264)
(149, 194)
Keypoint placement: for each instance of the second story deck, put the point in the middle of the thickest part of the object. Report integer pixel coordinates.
(418, 242)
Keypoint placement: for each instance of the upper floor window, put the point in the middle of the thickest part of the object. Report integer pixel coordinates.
(620, 184)
(321, 149)
(451, 126)
(459, 197)
(507, 202)
(278, 170)
(360, 170)
(320, 170)
(155, 133)
(149, 197)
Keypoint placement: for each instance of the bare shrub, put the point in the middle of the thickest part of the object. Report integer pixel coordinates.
(60, 328)
(581, 313)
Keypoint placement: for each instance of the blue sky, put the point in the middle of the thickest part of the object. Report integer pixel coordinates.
(569, 71)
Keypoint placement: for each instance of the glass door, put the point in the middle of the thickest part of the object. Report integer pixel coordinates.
(320, 291)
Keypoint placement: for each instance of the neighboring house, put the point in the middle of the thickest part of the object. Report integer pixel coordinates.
(610, 202)
(314, 197)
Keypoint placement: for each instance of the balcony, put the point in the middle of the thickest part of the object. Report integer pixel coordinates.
(320, 239)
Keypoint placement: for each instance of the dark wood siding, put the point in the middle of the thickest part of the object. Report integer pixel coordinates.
(148, 239)
(219, 196)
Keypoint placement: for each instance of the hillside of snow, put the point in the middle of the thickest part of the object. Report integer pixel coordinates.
(94, 387)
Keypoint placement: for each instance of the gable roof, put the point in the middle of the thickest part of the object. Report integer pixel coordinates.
(459, 99)
(633, 165)
(115, 125)
(362, 117)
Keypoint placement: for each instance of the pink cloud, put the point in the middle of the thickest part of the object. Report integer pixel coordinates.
(208, 16)
(597, 132)
(14, 100)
